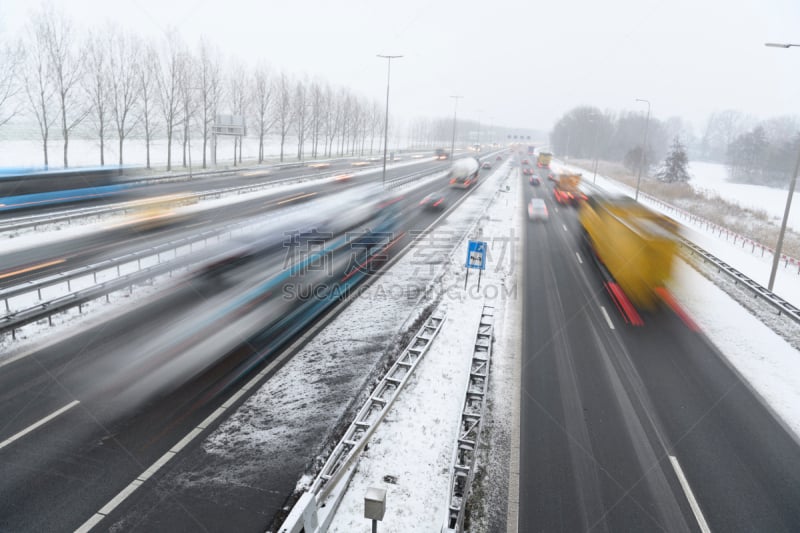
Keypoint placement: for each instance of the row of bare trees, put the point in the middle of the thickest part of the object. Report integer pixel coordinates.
(115, 86)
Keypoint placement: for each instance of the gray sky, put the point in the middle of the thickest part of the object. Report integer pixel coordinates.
(520, 63)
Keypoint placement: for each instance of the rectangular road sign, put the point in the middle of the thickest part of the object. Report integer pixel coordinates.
(476, 255)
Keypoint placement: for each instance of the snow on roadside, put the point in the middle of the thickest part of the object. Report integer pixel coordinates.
(767, 361)
(295, 413)
(411, 452)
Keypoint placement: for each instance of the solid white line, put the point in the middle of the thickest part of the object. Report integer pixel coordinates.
(38, 424)
(564, 226)
(89, 524)
(164, 459)
(698, 514)
(579, 257)
(608, 319)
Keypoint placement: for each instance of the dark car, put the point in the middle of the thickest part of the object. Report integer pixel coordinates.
(534, 180)
(486, 164)
(498, 158)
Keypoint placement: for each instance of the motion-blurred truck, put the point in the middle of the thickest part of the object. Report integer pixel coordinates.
(543, 160)
(634, 247)
(567, 189)
(463, 173)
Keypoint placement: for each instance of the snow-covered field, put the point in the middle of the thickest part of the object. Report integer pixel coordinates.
(713, 178)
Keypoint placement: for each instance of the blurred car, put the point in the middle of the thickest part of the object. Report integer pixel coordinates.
(537, 210)
(525, 162)
(551, 177)
(436, 200)
(534, 180)
(527, 171)
(486, 164)
(498, 158)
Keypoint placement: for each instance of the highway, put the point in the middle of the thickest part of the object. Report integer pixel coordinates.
(622, 428)
(124, 392)
(628, 428)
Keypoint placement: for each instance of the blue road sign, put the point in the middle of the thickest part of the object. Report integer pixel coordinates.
(476, 255)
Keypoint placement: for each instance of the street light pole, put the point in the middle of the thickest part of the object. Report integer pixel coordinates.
(777, 257)
(386, 121)
(594, 148)
(455, 111)
(644, 147)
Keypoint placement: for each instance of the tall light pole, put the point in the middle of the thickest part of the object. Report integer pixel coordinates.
(777, 257)
(596, 121)
(453, 142)
(386, 121)
(644, 147)
(478, 141)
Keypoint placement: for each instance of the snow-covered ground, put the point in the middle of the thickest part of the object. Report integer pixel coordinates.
(765, 360)
(713, 178)
(414, 445)
(417, 500)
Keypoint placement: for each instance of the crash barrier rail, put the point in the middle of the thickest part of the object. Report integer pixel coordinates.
(462, 473)
(779, 304)
(306, 515)
(13, 320)
(34, 221)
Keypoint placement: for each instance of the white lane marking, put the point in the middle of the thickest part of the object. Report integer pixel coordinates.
(38, 424)
(192, 435)
(579, 257)
(608, 319)
(698, 514)
(564, 226)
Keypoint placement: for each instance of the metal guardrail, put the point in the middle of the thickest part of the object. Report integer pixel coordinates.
(33, 221)
(465, 454)
(361, 429)
(779, 304)
(17, 319)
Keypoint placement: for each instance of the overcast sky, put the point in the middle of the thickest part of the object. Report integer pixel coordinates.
(519, 63)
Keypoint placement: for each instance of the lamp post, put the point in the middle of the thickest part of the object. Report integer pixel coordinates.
(453, 142)
(386, 121)
(478, 141)
(644, 147)
(594, 148)
(777, 257)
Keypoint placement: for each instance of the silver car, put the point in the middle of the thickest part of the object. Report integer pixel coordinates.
(537, 210)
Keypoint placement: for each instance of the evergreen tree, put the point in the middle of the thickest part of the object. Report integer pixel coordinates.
(674, 168)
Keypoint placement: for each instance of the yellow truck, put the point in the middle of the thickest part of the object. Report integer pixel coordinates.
(567, 189)
(543, 159)
(634, 247)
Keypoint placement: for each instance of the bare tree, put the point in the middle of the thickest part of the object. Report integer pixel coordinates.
(11, 62)
(38, 85)
(67, 68)
(187, 95)
(331, 121)
(97, 85)
(209, 78)
(317, 110)
(263, 102)
(147, 83)
(301, 114)
(376, 120)
(283, 109)
(238, 96)
(125, 67)
(169, 79)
